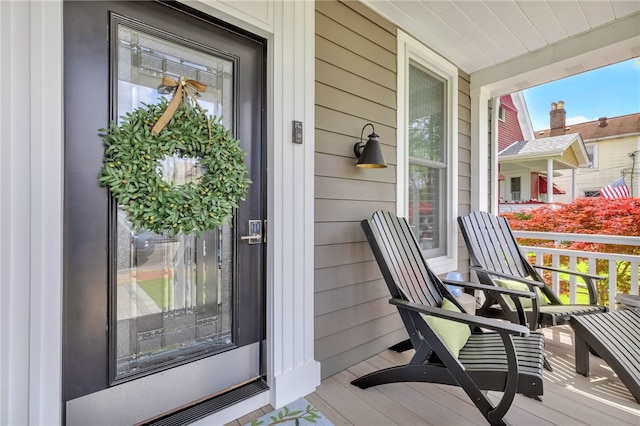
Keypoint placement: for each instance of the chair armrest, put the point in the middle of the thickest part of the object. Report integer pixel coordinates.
(489, 323)
(508, 276)
(568, 271)
(531, 284)
(491, 288)
(588, 280)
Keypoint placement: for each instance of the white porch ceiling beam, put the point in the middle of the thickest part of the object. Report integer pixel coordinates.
(608, 44)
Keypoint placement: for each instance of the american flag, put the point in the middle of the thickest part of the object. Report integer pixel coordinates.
(617, 189)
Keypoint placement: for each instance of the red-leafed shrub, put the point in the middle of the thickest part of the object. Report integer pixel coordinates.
(586, 216)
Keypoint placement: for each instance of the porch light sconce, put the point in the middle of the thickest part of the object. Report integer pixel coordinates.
(369, 154)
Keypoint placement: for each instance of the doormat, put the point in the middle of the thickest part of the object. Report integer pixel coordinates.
(297, 413)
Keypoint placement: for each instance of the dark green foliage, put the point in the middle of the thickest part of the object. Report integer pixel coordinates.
(586, 216)
(131, 159)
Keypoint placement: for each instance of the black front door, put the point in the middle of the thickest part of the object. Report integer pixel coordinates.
(154, 321)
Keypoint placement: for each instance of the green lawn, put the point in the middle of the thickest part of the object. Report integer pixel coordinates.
(582, 296)
(155, 290)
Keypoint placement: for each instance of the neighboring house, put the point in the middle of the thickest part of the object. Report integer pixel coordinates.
(297, 81)
(514, 122)
(525, 162)
(613, 145)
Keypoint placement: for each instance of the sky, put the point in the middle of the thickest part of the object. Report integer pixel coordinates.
(605, 92)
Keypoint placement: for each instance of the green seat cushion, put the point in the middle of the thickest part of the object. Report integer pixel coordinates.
(517, 285)
(452, 333)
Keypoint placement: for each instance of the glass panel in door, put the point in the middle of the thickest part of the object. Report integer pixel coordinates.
(173, 294)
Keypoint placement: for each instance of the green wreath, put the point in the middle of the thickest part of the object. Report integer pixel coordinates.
(132, 156)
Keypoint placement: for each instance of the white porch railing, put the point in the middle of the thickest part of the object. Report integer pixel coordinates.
(613, 259)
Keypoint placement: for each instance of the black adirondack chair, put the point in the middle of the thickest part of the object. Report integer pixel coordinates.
(507, 359)
(495, 254)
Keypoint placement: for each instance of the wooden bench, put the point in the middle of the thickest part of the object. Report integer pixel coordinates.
(615, 337)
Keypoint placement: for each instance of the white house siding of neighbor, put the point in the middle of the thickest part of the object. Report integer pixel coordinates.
(613, 145)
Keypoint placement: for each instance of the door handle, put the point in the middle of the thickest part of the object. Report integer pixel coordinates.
(253, 239)
(255, 232)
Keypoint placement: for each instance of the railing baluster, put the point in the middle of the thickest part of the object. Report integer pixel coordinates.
(612, 259)
(634, 278)
(555, 262)
(613, 283)
(593, 265)
(573, 261)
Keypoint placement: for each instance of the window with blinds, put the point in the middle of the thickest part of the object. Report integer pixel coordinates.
(427, 158)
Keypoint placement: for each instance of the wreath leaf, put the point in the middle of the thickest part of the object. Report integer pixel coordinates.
(131, 161)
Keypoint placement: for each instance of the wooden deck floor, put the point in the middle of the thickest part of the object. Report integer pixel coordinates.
(569, 399)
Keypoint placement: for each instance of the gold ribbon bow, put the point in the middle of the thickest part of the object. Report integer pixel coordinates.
(183, 87)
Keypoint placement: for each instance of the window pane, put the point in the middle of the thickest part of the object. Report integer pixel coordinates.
(515, 189)
(144, 59)
(427, 106)
(427, 209)
(426, 115)
(592, 158)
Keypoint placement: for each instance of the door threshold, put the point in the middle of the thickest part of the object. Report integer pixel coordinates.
(208, 406)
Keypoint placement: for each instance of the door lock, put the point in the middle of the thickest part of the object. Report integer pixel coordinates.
(255, 232)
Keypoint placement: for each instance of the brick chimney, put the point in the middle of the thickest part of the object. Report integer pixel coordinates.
(557, 118)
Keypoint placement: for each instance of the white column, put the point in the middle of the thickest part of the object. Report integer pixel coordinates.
(574, 184)
(481, 185)
(549, 180)
(290, 302)
(31, 212)
(14, 212)
(493, 150)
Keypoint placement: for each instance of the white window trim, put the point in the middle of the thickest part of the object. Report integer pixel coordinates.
(501, 113)
(525, 185)
(411, 49)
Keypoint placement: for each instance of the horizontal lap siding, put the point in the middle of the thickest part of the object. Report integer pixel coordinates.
(568, 156)
(355, 85)
(464, 164)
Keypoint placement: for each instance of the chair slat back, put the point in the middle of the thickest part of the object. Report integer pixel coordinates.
(400, 259)
(492, 245)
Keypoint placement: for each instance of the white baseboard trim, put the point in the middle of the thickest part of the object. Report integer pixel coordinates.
(294, 384)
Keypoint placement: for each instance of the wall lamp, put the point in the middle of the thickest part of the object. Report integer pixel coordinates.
(369, 154)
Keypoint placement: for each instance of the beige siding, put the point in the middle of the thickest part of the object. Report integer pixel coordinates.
(464, 164)
(355, 85)
(612, 158)
(569, 157)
